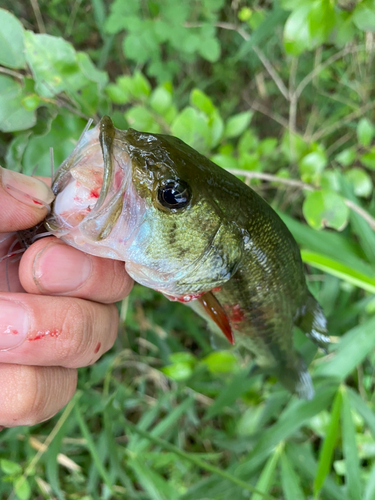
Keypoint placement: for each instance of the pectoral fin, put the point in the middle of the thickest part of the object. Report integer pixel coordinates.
(313, 323)
(213, 308)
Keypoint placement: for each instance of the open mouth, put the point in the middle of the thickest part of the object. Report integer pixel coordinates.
(93, 188)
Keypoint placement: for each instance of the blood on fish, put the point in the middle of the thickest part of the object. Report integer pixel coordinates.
(97, 347)
(37, 202)
(235, 313)
(94, 193)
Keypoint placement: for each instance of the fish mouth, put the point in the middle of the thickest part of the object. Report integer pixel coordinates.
(95, 194)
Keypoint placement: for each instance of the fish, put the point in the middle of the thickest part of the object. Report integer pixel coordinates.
(194, 232)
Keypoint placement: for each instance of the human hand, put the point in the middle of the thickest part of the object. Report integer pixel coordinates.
(65, 320)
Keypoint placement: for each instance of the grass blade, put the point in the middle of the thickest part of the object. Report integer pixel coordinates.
(370, 486)
(290, 480)
(349, 445)
(236, 387)
(350, 352)
(266, 478)
(361, 407)
(92, 448)
(329, 244)
(339, 270)
(293, 417)
(196, 460)
(328, 446)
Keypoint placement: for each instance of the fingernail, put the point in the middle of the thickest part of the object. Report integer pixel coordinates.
(60, 269)
(28, 190)
(14, 324)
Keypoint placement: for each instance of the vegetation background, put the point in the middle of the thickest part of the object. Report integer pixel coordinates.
(281, 93)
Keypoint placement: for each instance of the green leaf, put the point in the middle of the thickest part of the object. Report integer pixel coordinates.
(325, 209)
(210, 49)
(365, 132)
(220, 362)
(296, 31)
(178, 371)
(360, 180)
(346, 157)
(142, 119)
(321, 19)
(117, 94)
(364, 16)
(349, 445)
(328, 446)
(290, 480)
(192, 127)
(353, 348)
(90, 71)
(141, 86)
(11, 41)
(368, 159)
(161, 100)
(22, 488)
(339, 270)
(9, 467)
(54, 64)
(237, 124)
(14, 115)
(201, 101)
(312, 165)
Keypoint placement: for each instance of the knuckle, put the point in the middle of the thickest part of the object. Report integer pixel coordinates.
(76, 329)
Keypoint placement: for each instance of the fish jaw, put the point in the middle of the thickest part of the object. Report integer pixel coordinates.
(104, 229)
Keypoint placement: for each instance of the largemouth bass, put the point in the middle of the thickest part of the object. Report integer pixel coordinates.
(196, 233)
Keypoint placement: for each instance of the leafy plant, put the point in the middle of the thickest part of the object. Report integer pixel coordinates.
(282, 96)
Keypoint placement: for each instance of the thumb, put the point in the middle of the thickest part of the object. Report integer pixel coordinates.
(24, 201)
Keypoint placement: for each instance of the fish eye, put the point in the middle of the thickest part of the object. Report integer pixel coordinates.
(174, 194)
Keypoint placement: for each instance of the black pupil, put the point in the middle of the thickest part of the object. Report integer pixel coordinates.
(174, 194)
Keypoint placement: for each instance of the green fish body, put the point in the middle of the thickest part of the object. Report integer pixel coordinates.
(194, 232)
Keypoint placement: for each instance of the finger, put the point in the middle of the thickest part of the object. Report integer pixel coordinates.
(51, 267)
(9, 281)
(32, 394)
(54, 331)
(34, 195)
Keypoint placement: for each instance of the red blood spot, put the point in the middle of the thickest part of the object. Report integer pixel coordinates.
(94, 193)
(15, 332)
(41, 335)
(97, 347)
(37, 202)
(216, 289)
(235, 313)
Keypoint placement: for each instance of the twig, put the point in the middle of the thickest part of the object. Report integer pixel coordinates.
(257, 106)
(272, 72)
(7, 71)
(342, 140)
(335, 126)
(266, 63)
(302, 185)
(38, 16)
